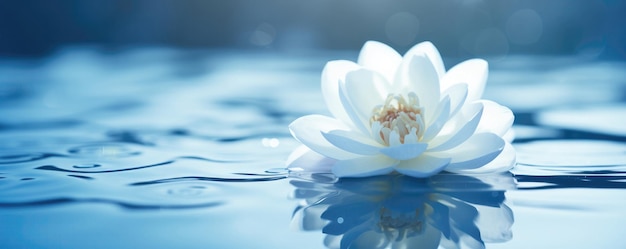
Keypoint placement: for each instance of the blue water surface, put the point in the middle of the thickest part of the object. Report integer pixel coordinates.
(162, 148)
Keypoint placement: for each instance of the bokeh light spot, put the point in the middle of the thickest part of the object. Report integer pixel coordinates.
(402, 28)
(524, 27)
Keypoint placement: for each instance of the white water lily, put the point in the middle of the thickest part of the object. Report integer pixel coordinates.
(407, 114)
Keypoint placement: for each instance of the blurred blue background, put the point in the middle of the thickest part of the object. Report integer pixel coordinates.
(459, 28)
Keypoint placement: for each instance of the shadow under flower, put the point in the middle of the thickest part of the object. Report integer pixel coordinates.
(395, 211)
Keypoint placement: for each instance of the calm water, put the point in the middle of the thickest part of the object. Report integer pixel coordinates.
(157, 148)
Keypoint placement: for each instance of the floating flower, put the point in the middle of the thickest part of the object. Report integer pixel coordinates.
(395, 211)
(406, 114)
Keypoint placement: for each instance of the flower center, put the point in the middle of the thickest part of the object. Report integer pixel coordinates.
(399, 115)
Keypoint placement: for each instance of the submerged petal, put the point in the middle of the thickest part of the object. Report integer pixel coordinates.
(364, 166)
(381, 58)
(308, 130)
(423, 166)
(333, 73)
(471, 72)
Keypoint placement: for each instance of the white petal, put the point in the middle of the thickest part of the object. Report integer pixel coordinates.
(411, 138)
(364, 166)
(496, 118)
(423, 166)
(441, 116)
(376, 132)
(380, 58)
(417, 74)
(352, 142)
(428, 49)
(308, 130)
(353, 115)
(473, 72)
(476, 152)
(503, 162)
(405, 151)
(509, 136)
(333, 73)
(462, 133)
(394, 138)
(304, 159)
(364, 89)
(458, 95)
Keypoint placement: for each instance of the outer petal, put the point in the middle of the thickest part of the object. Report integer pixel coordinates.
(423, 166)
(308, 130)
(381, 58)
(353, 142)
(405, 151)
(304, 159)
(496, 118)
(364, 166)
(503, 162)
(333, 73)
(476, 152)
(417, 74)
(472, 72)
(428, 49)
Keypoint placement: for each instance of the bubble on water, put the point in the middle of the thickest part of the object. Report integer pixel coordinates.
(340, 220)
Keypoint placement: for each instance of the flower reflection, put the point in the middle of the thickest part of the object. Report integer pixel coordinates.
(396, 211)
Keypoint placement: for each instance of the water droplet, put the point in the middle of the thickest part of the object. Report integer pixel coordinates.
(277, 171)
(340, 220)
(104, 150)
(87, 166)
(189, 191)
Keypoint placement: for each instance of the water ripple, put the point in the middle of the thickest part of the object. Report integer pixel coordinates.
(136, 206)
(216, 179)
